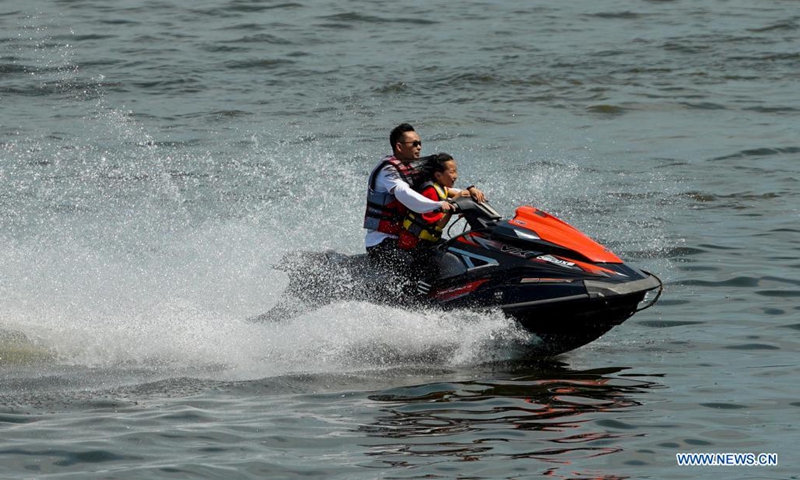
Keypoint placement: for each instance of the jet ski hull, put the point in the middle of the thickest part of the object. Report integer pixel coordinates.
(565, 313)
(572, 323)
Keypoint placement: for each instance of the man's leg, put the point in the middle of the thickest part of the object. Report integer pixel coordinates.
(396, 262)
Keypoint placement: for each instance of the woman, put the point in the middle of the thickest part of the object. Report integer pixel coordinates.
(439, 175)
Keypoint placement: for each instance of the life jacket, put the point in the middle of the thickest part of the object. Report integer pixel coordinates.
(384, 212)
(415, 227)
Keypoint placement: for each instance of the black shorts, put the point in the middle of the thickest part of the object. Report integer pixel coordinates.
(412, 264)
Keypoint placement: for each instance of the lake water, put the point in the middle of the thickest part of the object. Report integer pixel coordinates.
(157, 159)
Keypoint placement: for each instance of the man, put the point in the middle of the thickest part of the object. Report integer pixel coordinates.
(390, 194)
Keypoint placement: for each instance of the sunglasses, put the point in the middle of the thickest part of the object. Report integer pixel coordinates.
(415, 143)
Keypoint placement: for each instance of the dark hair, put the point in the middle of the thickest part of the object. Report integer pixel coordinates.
(397, 133)
(435, 163)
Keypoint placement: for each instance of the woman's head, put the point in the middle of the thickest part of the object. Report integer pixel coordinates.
(442, 169)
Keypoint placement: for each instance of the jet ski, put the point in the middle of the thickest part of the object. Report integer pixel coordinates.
(556, 282)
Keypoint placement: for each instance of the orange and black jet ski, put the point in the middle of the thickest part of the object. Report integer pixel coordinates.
(552, 279)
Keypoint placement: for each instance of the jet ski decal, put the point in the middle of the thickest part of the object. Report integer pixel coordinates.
(470, 259)
(505, 248)
(457, 292)
(556, 261)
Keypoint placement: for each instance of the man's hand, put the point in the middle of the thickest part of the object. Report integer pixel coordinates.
(476, 194)
(446, 207)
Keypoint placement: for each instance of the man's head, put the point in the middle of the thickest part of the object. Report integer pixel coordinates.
(406, 145)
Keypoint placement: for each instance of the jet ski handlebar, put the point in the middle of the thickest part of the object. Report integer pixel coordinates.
(478, 215)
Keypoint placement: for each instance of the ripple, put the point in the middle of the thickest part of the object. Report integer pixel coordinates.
(69, 458)
(77, 88)
(724, 406)
(616, 424)
(606, 109)
(790, 281)
(684, 251)
(759, 152)
(712, 246)
(263, 38)
(258, 64)
(626, 15)
(779, 293)
(772, 109)
(778, 26)
(697, 442)
(17, 419)
(393, 88)
(668, 323)
(344, 19)
(698, 268)
(219, 48)
(766, 57)
(685, 47)
(185, 84)
(229, 113)
(702, 197)
(704, 106)
(742, 282)
(84, 37)
(752, 346)
(261, 7)
(11, 68)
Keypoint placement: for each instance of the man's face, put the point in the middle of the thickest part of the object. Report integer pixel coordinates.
(409, 147)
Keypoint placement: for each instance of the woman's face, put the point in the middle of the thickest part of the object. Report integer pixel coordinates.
(449, 176)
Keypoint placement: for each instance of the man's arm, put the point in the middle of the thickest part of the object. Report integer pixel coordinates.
(470, 191)
(414, 201)
(389, 180)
